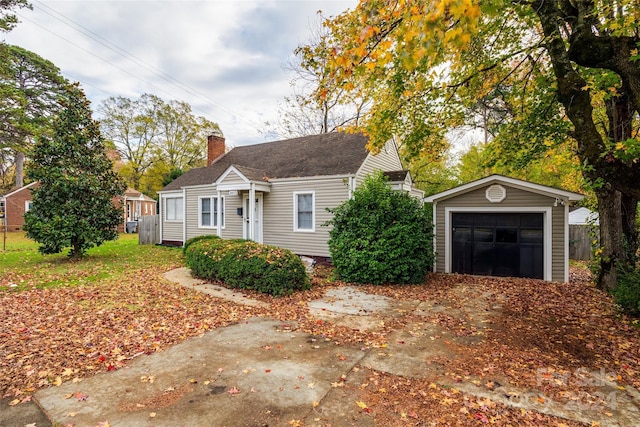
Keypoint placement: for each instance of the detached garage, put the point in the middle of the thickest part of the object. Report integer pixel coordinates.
(501, 226)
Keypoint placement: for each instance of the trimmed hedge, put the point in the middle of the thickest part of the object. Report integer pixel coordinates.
(246, 265)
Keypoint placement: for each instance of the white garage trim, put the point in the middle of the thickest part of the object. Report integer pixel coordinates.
(547, 225)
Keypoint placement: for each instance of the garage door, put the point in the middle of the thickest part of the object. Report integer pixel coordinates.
(498, 244)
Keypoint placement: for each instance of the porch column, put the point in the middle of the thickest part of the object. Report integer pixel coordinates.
(252, 211)
(219, 215)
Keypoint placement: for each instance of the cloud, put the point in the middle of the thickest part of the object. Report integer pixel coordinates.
(224, 57)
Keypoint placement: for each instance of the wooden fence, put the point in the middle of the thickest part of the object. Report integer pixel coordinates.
(580, 237)
(148, 230)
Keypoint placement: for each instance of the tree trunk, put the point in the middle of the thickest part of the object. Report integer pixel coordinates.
(618, 236)
(629, 205)
(19, 169)
(611, 240)
(618, 191)
(618, 231)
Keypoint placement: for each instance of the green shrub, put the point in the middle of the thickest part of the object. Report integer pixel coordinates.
(198, 239)
(247, 265)
(627, 294)
(381, 236)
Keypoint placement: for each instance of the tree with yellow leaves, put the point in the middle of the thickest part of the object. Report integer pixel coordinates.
(556, 69)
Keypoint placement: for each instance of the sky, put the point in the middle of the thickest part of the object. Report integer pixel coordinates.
(223, 57)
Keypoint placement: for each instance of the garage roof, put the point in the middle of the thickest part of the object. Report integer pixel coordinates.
(513, 182)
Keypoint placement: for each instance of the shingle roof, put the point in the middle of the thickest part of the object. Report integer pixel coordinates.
(131, 192)
(307, 156)
(395, 176)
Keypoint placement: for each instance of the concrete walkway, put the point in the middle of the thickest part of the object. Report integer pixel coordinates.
(267, 372)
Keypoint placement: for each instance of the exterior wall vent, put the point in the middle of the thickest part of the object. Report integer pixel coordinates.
(496, 193)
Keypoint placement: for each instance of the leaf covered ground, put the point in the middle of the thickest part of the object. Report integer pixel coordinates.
(49, 336)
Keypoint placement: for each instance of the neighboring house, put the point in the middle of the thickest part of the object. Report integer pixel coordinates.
(500, 226)
(134, 205)
(275, 193)
(583, 216)
(15, 204)
(18, 202)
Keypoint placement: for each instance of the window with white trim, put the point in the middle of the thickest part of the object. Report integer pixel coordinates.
(208, 212)
(27, 205)
(173, 208)
(304, 211)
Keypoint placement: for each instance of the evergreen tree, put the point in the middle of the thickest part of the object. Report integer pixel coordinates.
(74, 203)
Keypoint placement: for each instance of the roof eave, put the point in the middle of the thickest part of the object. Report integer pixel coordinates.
(517, 183)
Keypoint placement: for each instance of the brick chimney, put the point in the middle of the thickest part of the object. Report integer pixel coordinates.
(215, 148)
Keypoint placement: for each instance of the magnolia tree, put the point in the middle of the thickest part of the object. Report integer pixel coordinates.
(73, 206)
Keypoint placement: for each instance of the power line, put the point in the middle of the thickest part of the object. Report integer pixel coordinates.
(130, 57)
(93, 54)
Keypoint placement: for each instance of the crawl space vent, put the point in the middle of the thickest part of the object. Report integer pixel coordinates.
(496, 193)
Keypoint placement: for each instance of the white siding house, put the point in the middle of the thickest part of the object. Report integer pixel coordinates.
(276, 193)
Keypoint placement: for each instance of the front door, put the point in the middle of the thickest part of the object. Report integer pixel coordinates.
(252, 219)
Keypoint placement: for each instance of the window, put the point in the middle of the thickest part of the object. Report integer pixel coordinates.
(303, 211)
(173, 208)
(27, 205)
(208, 212)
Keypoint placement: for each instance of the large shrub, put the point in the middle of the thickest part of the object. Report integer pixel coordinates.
(247, 265)
(381, 235)
(627, 294)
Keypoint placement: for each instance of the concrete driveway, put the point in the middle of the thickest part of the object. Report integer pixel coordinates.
(268, 372)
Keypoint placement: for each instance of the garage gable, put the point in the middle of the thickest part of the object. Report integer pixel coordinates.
(501, 226)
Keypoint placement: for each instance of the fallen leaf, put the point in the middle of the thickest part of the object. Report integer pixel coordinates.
(363, 406)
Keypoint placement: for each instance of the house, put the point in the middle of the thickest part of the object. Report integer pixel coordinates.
(14, 205)
(583, 216)
(501, 226)
(134, 205)
(276, 192)
(18, 202)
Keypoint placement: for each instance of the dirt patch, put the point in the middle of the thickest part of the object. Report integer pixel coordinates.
(161, 400)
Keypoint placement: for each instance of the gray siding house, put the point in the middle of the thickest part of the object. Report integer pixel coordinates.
(501, 226)
(275, 193)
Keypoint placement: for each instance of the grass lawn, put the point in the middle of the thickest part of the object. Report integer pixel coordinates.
(23, 267)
